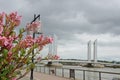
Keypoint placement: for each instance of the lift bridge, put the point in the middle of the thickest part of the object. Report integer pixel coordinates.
(53, 51)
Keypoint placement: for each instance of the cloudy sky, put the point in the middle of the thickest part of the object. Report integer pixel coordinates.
(75, 22)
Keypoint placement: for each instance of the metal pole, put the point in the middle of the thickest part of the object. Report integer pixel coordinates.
(31, 77)
(55, 71)
(99, 75)
(40, 68)
(83, 74)
(62, 72)
(49, 70)
(44, 69)
(35, 18)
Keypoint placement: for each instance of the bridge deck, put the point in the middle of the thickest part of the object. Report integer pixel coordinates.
(81, 62)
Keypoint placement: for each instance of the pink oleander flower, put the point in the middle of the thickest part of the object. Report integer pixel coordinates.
(40, 48)
(9, 54)
(14, 78)
(39, 58)
(13, 46)
(56, 57)
(29, 39)
(1, 29)
(15, 18)
(39, 39)
(9, 46)
(1, 18)
(13, 15)
(10, 40)
(6, 42)
(27, 42)
(50, 40)
(33, 27)
(45, 41)
(17, 21)
(3, 41)
(36, 24)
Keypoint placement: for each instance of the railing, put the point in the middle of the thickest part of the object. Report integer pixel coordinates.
(78, 74)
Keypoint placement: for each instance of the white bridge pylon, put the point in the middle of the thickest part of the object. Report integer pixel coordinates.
(89, 51)
(53, 46)
(94, 51)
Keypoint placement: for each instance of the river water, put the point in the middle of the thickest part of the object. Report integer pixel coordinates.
(88, 75)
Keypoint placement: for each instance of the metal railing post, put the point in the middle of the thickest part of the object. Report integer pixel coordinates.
(44, 69)
(83, 74)
(49, 70)
(99, 75)
(72, 75)
(36, 68)
(55, 71)
(62, 72)
(40, 68)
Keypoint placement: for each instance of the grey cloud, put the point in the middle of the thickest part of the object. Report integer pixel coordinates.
(101, 16)
(68, 17)
(96, 17)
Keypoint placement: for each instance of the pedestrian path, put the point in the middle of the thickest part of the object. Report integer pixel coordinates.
(43, 76)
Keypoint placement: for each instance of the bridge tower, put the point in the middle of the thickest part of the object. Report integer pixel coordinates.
(89, 51)
(50, 48)
(95, 51)
(53, 46)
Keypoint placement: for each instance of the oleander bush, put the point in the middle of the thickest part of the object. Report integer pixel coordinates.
(16, 48)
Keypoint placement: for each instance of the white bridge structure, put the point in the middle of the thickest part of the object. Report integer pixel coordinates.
(94, 51)
(52, 47)
(53, 51)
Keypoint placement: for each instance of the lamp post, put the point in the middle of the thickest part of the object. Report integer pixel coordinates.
(35, 18)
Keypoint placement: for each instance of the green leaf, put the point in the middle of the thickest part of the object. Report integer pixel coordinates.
(11, 67)
(32, 65)
(3, 78)
(15, 41)
(20, 36)
(21, 30)
(5, 52)
(13, 50)
(6, 62)
(4, 72)
(23, 51)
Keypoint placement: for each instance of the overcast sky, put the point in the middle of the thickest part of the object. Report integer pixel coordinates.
(75, 22)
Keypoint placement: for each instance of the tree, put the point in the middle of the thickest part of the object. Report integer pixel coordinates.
(15, 51)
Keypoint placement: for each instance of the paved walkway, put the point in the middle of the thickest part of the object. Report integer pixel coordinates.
(42, 76)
